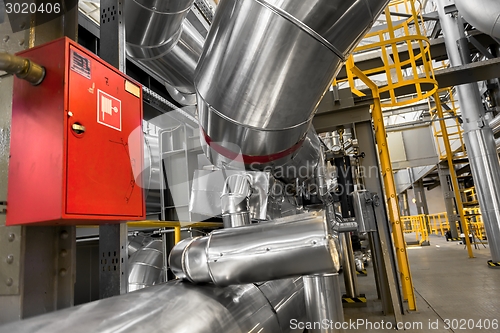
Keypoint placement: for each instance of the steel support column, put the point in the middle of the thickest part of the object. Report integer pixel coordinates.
(449, 199)
(37, 264)
(113, 250)
(383, 246)
(11, 238)
(403, 203)
(478, 136)
(420, 199)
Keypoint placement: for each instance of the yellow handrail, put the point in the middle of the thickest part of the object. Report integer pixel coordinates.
(417, 224)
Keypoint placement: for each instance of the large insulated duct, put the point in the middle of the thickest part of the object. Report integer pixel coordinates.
(159, 37)
(265, 67)
(179, 307)
(484, 15)
(287, 247)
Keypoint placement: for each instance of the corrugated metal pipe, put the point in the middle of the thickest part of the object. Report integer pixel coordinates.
(160, 38)
(23, 68)
(484, 15)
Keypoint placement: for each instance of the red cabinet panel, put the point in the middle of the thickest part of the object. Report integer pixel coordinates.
(71, 160)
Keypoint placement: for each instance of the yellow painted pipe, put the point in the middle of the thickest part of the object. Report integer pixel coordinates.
(173, 224)
(177, 235)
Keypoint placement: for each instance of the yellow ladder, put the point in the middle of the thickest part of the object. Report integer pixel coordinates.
(390, 188)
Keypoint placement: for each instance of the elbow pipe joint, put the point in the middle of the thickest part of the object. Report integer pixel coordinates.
(234, 201)
(341, 225)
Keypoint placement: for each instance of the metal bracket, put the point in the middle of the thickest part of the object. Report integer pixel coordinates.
(451, 9)
(206, 9)
(481, 122)
(448, 195)
(480, 47)
(66, 266)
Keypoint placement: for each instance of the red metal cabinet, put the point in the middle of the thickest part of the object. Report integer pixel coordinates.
(72, 161)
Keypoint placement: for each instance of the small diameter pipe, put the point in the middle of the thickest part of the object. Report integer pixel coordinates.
(23, 68)
(349, 267)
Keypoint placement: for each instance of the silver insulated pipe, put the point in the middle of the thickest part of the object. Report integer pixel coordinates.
(265, 67)
(146, 266)
(287, 247)
(159, 37)
(177, 307)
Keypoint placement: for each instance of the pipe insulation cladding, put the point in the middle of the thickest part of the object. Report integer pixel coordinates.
(180, 307)
(159, 37)
(146, 266)
(484, 15)
(265, 67)
(287, 247)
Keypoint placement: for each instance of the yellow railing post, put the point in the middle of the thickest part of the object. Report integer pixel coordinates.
(416, 228)
(435, 221)
(425, 231)
(447, 224)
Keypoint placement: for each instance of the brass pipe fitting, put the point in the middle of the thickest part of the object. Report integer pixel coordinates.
(23, 68)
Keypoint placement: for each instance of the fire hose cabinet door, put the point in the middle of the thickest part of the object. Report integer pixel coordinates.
(100, 181)
(72, 155)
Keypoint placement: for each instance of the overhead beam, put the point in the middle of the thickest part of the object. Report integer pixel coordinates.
(469, 73)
